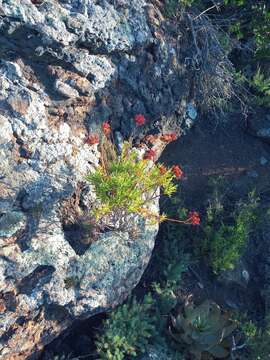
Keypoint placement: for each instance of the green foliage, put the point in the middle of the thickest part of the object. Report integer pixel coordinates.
(165, 291)
(252, 22)
(261, 84)
(127, 183)
(235, 2)
(127, 331)
(226, 234)
(204, 329)
(171, 260)
(260, 344)
(257, 339)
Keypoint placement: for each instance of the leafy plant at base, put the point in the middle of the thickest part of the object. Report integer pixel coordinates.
(261, 85)
(257, 340)
(223, 241)
(128, 330)
(205, 329)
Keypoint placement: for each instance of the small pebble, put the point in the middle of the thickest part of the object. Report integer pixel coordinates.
(245, 275)
(263, 161)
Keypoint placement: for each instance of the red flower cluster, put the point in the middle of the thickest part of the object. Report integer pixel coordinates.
(168, 137)
(194, 218)
(106, 128)
(139, 119)
(178, 172)
(92, 139)
(150, 154)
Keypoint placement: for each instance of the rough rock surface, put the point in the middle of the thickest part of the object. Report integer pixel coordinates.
(66, 66)
(158, 352)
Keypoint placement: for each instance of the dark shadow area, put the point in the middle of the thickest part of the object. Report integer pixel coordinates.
(41, 275)
(78, 340)
(79, 236)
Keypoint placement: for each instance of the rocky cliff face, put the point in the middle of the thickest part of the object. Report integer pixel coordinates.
(65, 67)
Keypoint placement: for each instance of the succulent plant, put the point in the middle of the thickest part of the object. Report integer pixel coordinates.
(204, 328)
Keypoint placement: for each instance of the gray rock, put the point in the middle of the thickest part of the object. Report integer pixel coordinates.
(11, 222)
(65, 67)
(80, 285)
(191, 111)
(6, 133)
(239, 275)
(263, 161)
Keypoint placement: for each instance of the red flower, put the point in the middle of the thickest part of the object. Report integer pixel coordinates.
(106, 128)
(168, 137)
(162, 169)
(178, 172)
(150, 155)
(194, 218)
(92, 139)
(139, 119)
(173, 136)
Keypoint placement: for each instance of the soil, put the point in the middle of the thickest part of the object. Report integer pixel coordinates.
(224, 149)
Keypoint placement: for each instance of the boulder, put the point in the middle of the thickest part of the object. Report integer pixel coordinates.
(65, 67)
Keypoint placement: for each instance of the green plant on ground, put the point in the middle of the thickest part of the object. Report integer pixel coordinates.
(166, 289)
(257, 340)
(226, 234)
(205, 329)
(260, 344)
(171, 258)
(253, 21)
(127, 331)
(261, 85)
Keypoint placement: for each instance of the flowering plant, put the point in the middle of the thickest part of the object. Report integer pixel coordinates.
(127, 182)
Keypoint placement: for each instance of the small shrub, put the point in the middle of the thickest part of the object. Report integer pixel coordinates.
(226, 231)
(171, 279)
(256, 339)
(261, 85)
(260, 344)
(127, 331)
